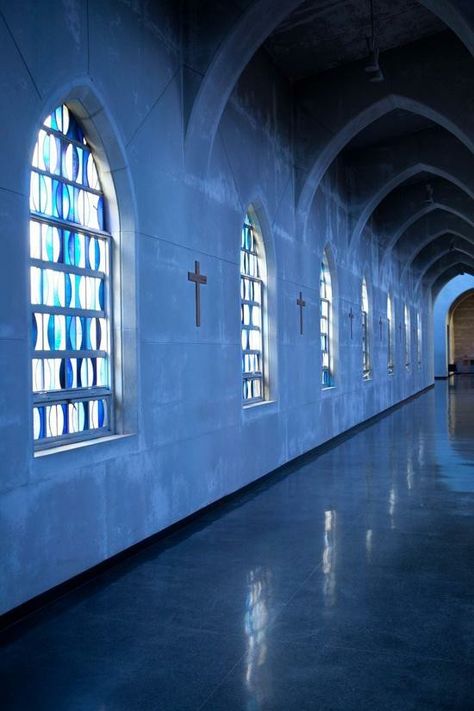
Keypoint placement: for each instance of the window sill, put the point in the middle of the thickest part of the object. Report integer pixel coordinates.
(257, 409)
(79, 445)
(327, 390)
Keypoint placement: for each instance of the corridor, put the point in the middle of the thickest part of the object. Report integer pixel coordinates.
(344, 581)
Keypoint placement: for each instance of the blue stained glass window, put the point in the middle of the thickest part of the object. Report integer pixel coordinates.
(390, 330)
(419, 338)
(365, 331)
(406, 318)
(69, 279)
(325, 292)
(252, 271)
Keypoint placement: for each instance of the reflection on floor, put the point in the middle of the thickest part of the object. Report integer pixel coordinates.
(346, 583)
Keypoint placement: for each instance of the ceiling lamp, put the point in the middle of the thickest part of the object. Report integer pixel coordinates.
(429, 200)
(373, 67)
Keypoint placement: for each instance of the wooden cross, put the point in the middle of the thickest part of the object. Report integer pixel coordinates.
(381, 325)
(351, 316)
(198, 279)
(301, 303)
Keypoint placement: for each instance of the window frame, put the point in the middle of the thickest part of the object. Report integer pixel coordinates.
(85, 394)
(407, 340)
(366, 364)
(419, 339)
(251, 223)
(325, 282)
(390, 335)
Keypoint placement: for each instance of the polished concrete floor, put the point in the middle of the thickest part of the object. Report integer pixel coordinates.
(347, 582)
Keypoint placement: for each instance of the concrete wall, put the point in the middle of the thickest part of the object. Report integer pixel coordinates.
(184, 438)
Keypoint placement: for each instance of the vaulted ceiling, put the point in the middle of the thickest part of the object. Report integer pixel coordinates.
(406, 142)
(320, 35)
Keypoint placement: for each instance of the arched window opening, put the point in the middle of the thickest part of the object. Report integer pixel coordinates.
(252, 294)
(419, 338)
(325, 292)
(70, 281)
(407, 336)
(365, 331)
(390, 330)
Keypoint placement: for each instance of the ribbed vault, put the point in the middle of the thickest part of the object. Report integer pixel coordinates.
(405, 144)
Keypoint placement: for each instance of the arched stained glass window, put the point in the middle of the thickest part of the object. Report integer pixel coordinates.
(419, 338)
(252, 287)
(390, 331)
(69, 268)
(325, 293)
(406, 314)
(365, 331)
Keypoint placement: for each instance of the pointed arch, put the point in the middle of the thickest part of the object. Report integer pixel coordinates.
(253, 321)
(236, 49)
(70, 278)
(103, 142)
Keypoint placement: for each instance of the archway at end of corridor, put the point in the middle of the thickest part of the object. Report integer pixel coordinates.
(453, 327)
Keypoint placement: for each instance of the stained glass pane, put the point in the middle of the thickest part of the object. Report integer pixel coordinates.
(407, 335)
(365, 331)
(325, 293)
(390, 322)
(419, 338)
(69, 251)
(251, 294)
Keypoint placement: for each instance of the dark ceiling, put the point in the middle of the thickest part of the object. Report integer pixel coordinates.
(322, 34)
(393, 125)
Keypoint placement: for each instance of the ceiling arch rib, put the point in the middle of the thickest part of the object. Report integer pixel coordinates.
(404, 205)
(467, 234)
(232, 56)
(355, 105)
(458, 15)
(462, 262)
(427, 228)
(447, 244)
(235, 50)
(377, 172)
(446, 276)
(416, 228)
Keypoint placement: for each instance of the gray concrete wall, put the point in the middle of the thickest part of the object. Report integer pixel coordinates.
(184, 438)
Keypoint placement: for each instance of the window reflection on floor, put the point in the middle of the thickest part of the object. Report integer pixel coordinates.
(256, 623)
(329, 558)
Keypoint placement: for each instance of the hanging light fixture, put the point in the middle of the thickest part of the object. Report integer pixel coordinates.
(429, 199)
(373, 66)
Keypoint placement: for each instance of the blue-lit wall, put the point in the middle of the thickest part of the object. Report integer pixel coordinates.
(183, 439)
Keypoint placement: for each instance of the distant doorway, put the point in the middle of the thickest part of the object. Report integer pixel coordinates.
(461, 334)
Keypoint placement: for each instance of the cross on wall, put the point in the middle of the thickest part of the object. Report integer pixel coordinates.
(198, 279)
(351, 316)
(301, 303)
